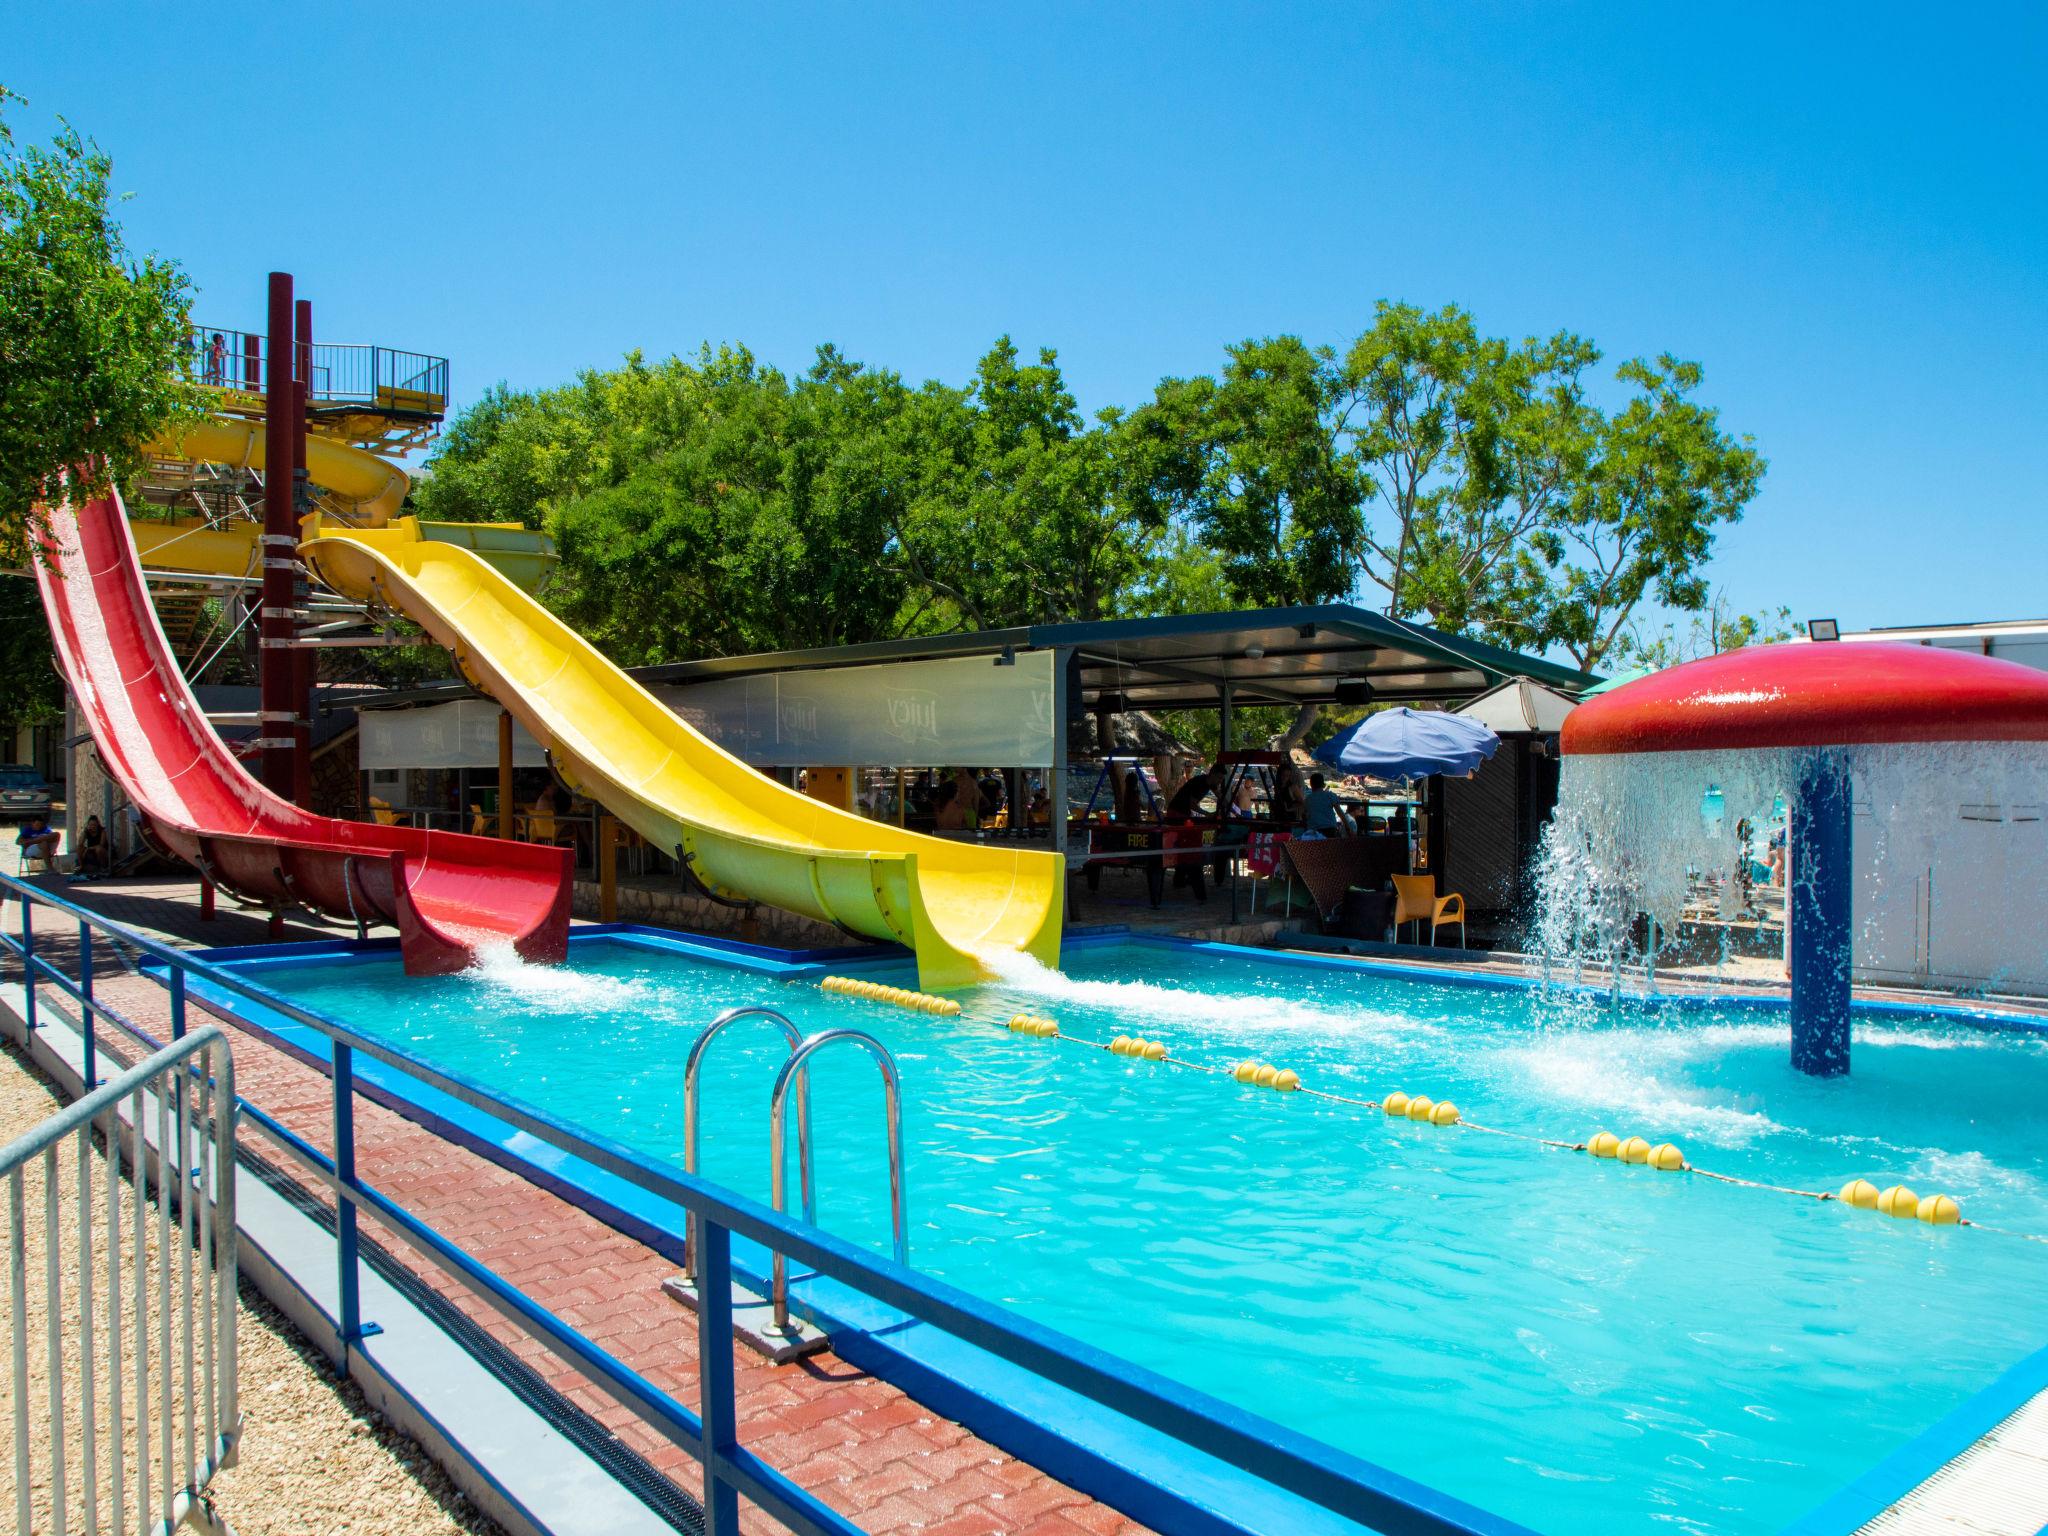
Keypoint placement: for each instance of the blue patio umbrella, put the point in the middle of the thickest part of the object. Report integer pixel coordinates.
(1405, 743)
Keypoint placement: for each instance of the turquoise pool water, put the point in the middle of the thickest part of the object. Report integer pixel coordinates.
(1574, 1344)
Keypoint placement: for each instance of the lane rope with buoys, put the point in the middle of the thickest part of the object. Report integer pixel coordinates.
(1637, 1151)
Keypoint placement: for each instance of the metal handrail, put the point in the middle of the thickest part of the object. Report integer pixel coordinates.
(693, 1064)
(1282, 1458)
(797, 1070)
(198, 1415)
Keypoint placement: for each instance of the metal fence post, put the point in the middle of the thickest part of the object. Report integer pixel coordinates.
(349, 1270)
(28, 963)
(177, 985)
(714, 1376)
(86, 1016)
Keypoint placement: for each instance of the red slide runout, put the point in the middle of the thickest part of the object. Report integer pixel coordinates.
(448, 893)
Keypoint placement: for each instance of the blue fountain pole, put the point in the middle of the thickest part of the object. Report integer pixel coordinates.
(1817, 898)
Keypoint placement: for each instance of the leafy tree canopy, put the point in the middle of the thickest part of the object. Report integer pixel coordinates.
(94, 356)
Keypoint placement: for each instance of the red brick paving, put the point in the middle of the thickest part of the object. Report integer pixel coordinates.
(863, 1447)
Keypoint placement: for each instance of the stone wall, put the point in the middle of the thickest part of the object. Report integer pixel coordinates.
(667, 905)
(670, 906)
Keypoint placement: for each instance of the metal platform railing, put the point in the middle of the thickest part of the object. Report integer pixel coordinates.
(103, 1335)
(1201, 1425)
(340, 373)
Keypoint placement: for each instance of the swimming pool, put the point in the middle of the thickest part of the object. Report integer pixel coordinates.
(1569, 1342)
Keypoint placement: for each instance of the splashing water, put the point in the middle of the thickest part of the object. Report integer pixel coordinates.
(1150, 1004)
(1633, 835)
(514, 981)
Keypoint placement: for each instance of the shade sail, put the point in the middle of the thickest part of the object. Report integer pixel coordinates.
(1405, 743)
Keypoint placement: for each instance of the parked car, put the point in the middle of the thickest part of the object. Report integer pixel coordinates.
(23, 792)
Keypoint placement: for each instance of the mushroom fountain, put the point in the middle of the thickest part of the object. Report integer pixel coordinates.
(1861, 741)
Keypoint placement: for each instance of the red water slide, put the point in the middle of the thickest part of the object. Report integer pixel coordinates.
(449, 894)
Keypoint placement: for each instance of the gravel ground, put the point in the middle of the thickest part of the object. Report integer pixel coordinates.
(314, 1461)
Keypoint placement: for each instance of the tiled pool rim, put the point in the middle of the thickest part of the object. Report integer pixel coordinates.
(959, 1382)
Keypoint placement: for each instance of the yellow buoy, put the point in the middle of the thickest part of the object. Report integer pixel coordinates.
(1287, 1081)
(1121, 1045)
(1048, 1028)
(1860, 1193)
(1634, 1150)
(1245, 1071)
(1605, 1144)
(1267, 1075)
(1155, 1050)
(1395, 1103)
(1899, 1201)
(1940, 1211)
(1420, 1106)
(1667, 1157)
(1446, 1113)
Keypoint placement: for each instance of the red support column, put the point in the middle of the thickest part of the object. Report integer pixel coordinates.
(275, 666)
(302, 503)
(252, 363)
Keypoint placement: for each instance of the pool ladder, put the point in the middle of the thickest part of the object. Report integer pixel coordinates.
(795, 1074)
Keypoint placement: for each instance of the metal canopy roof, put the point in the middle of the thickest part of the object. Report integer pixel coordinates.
(1267, 655)
(1179, 661)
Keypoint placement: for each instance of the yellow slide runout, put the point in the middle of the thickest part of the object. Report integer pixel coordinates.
(370, 488)
(744, 835)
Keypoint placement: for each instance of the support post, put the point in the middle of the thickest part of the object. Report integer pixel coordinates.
(505, 774)
(1056, 775)
(302, 504)
(1225, 709)
(1818, 887)
(608, 866)
(276, 668)
(715, 1406)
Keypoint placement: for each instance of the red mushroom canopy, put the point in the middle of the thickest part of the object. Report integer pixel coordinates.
(1815, 695)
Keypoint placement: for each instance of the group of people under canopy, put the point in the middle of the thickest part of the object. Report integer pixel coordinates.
(1226, 792)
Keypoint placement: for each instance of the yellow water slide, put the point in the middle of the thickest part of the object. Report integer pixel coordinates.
(743, 835)
(355, 485)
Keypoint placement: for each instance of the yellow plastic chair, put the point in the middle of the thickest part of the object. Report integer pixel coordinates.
(540, 826)
(1416, 901)
(380, 810)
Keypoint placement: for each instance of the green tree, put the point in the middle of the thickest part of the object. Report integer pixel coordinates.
(1662, 479)
(94, 344)
(30, 692)
(1715, 628)
(1281, 502)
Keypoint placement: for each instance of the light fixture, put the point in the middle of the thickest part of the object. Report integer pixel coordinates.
(1353, 690)
(1008, 658)
(1823, 629)
(1254, 652)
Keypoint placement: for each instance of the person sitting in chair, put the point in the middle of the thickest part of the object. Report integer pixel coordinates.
(38, 840)
(1326, 814)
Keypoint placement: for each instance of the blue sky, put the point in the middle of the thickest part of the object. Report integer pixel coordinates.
(1842, 213)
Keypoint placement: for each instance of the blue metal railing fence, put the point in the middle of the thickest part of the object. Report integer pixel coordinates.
(1346, 1485)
